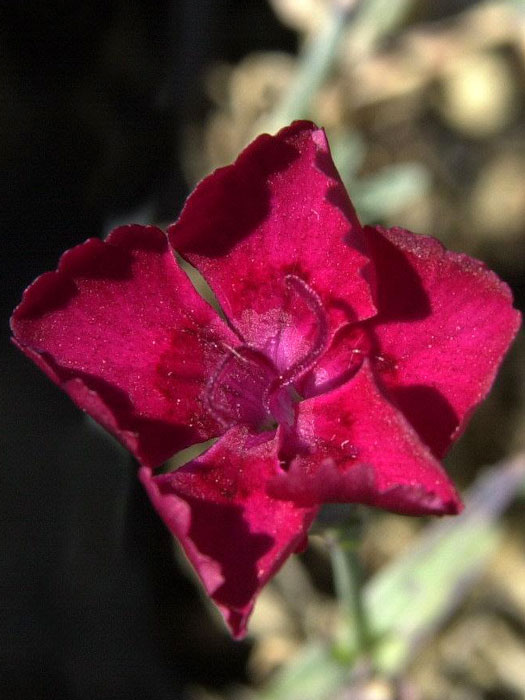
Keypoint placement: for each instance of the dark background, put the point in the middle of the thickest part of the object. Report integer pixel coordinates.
(93, 95)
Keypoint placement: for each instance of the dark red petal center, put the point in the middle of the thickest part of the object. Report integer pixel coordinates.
(248, 387)
(236, 392)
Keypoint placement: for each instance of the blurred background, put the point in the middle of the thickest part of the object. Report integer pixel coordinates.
(110, 112)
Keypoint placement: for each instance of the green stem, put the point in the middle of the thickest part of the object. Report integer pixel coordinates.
(362, 632)
(348, 582)
(368, 20)
(314, 65)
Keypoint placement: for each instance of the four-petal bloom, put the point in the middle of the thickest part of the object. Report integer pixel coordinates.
(348, 361)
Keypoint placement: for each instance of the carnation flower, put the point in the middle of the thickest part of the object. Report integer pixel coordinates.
(345, 362)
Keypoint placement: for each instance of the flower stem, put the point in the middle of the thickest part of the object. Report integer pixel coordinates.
(348, 582)
(314, 65)
(365, 21)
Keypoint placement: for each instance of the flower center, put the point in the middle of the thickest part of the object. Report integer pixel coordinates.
(235, 393)
(247, 387)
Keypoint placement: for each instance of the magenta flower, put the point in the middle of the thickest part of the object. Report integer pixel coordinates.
(348, 361)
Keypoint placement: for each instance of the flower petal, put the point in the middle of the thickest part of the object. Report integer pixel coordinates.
(276, 237)
(445, 322)
(121, 329)
(352, 445)
(234, 534)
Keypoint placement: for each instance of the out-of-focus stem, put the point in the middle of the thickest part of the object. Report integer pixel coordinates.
(369, 20)
(375, 19)
(348, 582)
(314, 64)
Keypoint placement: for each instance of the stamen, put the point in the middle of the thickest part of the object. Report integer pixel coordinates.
(236, 353)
